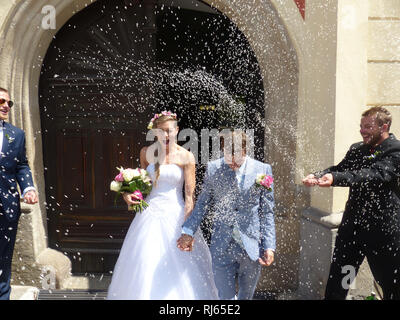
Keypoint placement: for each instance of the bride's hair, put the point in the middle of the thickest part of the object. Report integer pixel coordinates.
(161, 119)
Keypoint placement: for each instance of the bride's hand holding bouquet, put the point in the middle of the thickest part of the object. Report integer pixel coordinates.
(133, 184)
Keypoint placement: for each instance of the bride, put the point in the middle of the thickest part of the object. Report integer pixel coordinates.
(150, 266)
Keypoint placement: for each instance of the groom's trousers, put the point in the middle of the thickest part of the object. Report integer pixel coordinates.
(231, 263)
(8, 232)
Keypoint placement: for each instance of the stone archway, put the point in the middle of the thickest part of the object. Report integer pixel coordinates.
(274, 34)
(269, 37)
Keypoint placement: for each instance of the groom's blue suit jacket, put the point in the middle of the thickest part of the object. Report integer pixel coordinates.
(250, 206)
(14, 169)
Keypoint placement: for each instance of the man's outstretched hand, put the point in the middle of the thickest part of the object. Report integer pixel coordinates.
(324, 181)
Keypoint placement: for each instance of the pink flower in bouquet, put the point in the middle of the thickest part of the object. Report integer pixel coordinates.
(137, 195)
(119, 177)
(135, 181)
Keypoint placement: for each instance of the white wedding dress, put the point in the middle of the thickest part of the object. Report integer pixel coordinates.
(150, 266)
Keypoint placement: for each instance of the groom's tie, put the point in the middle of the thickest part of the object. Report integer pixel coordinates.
(235, 233)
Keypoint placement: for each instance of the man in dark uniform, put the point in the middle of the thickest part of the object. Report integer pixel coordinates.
(371, 220)
(14, 169)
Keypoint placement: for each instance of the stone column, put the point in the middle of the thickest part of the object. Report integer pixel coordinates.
(23, 44)
(317, 232)
(323, 216)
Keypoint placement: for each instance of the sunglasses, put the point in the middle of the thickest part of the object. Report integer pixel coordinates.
(9, 102)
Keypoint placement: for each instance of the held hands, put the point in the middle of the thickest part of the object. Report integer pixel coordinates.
(185, 242)
(267, 259)
(31, 197)
(324, 181)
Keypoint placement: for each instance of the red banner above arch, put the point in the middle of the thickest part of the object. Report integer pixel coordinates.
(301, 4)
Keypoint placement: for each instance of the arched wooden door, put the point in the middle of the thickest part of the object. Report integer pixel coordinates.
(96, 99)
(91, 117)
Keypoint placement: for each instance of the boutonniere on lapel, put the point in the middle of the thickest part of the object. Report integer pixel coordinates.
(10, 139)
(264, 181)
(373, 156)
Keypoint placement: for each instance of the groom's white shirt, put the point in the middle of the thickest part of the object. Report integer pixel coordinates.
(240, 172)
(1, 134)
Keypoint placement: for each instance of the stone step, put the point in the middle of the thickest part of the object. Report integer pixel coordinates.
(82, 294)
(72, 295)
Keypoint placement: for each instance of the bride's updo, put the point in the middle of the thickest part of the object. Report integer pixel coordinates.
(155, 122)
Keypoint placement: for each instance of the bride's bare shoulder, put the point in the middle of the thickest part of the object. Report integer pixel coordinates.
(143, 157)
(143, 152)
(144, 149)
(187, 156)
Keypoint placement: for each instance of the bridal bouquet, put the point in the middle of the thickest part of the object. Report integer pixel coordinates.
(264, 181)
(135, 181)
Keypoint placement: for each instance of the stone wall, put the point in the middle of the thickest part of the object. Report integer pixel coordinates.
(384, 57)
(25, 270)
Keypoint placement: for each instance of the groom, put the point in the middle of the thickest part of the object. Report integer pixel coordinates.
(243, 236)
(13, 169)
